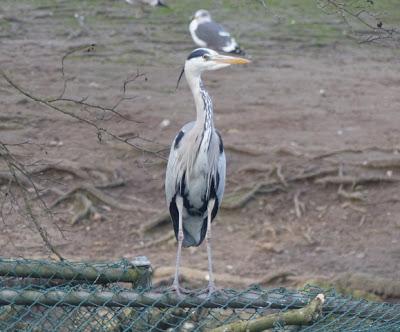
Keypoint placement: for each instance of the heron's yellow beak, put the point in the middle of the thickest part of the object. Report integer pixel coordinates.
(229, 59)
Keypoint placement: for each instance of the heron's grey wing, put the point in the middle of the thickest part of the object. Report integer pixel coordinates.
(221, 171)
(215, 36)
(171, 173)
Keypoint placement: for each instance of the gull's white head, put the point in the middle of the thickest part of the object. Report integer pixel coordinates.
(202, 15)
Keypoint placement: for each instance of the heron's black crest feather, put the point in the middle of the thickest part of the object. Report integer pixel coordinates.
(179, 79)
(198, 52)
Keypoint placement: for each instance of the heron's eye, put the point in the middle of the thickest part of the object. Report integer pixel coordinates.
(206, 57)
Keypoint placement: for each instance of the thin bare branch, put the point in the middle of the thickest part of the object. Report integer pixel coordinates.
(100, 130)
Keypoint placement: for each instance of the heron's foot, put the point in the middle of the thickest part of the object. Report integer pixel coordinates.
(178, 289)
(210, 289)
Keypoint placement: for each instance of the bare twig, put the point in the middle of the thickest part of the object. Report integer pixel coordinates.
(87, 48)
(15, 167)
(354, 11)
(100, 130)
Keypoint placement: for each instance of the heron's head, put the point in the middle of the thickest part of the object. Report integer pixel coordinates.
(201, 15)
(202, 59)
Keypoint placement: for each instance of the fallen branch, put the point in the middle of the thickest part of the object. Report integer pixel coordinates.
(303, 316)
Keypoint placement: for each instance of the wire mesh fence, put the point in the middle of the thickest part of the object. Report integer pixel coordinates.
(65, 296)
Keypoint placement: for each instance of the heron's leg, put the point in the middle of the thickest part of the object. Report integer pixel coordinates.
(211, 283)
(179, 205)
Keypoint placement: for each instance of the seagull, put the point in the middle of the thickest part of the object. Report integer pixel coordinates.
(152, 3)
(207, 33)
(195, 176)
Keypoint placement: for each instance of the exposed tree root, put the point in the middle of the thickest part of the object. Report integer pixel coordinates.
(167, 237)
(244, 150)
(308, 175)
(86, 211)
(166, 272)
(355, 195)
(7, 177)
(280, 175)
(358, 285)
(383, 163)
(299, 207)
(354, 150)
(383, 287)
(162, 219)
(237, 201)
(94, 193)
(354, 180)
(253, 168)
(62, 165)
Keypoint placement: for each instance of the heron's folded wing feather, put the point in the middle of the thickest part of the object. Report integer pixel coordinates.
(171, 173)
(221, 172)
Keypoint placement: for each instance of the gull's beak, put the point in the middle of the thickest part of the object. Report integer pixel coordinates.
(229, 59)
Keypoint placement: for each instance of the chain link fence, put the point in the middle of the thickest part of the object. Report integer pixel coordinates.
(38, 295)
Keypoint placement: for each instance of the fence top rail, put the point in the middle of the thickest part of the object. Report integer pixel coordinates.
(135, 271)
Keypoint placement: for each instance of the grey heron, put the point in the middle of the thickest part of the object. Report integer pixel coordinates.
(207, 33)
(195, 176)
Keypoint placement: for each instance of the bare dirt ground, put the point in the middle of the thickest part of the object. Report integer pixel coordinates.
(329, 160)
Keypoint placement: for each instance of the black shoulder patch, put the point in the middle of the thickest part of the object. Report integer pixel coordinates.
(197, 53)
(178, 139)
(173, 211)
(221, 144)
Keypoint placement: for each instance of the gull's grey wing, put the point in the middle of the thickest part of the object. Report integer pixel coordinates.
(215, 36)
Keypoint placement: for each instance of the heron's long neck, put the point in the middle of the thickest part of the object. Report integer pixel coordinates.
(204, 107)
